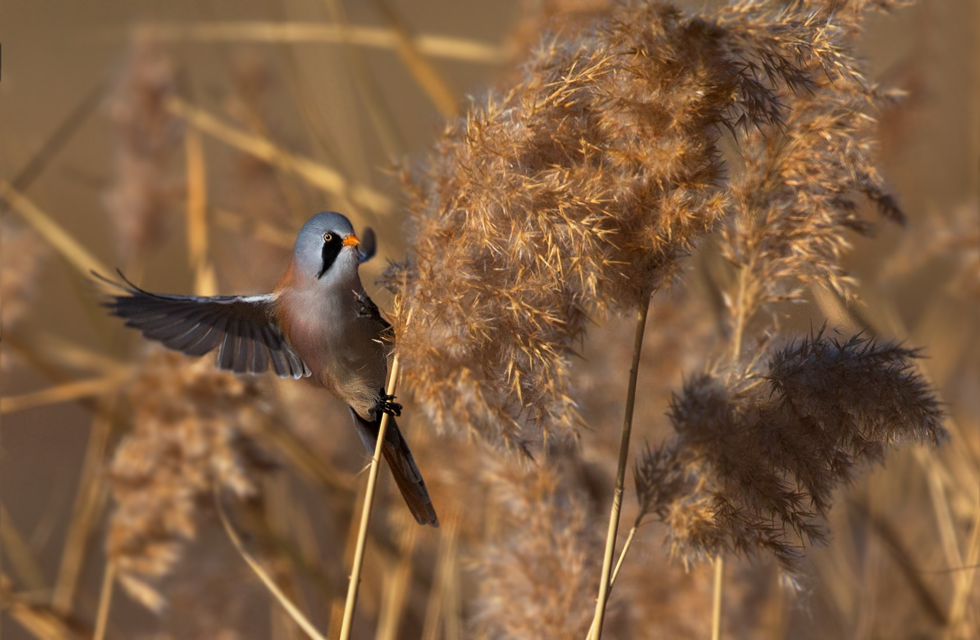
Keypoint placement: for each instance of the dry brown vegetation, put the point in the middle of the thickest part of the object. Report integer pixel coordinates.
(805, 413)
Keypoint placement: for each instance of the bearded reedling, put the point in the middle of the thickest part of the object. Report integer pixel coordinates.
(317, 323)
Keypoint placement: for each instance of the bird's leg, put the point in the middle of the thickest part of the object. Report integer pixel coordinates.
(386, 404)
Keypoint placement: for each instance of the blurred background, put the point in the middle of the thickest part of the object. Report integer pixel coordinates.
(186, 142)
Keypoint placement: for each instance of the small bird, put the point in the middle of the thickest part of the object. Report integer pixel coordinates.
(318, 323)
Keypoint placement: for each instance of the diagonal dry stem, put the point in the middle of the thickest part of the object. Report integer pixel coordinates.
(263, 575)
(355, 577)
(350, 543)
(67, 392)
(59, 138)
(85, 512)
(298, 32)
(105, 601)
(619, 565)
(607, 557)
(426, 75)
(19, 552)
(68, 354)
(70, 249)
(319, 134)
(257, 229)
(329, 180)
(365, 84)
(38, 620)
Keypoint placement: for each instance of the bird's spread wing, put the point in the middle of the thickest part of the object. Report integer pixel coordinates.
(242, 328)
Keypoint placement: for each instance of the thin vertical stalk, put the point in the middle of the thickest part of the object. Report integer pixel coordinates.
(961, 592)
(105, 601)
(716, 606)
(741, 317)
(615, 574)
(355, 576)
(396, 592)
(197, 222)
(89, 502)
(624, 448)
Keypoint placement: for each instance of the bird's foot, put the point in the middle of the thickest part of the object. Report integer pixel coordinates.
(387, 405)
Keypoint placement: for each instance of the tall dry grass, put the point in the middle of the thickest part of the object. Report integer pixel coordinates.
(720, 165)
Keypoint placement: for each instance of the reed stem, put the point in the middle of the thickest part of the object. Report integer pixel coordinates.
(105, 601)
(355, 576)
(716, 608)
(615, 574)
(624, 447)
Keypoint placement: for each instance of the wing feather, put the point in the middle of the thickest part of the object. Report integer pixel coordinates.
(171, 329)
(211, 339)
(226, 355)
(279, 362)
(243, 329)
(240, 363)
(259, 356)
(187, 341)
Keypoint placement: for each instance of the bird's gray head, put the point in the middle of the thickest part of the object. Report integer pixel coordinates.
(327, 239)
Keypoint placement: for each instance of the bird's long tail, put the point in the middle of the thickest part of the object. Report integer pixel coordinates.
(402, 465)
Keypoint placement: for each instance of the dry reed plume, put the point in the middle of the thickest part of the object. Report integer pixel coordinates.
(148, 140)
(187, 440)
(545, 539)
(580, 188)
(759, 454)
(22, 254)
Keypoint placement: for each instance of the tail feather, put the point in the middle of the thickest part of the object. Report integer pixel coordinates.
(402, 465)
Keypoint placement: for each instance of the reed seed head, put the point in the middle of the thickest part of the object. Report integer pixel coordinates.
(758, 455)
(189, 422)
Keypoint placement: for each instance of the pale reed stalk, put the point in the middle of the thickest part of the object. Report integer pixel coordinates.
(624, 447)
(301, 620)
(716, 605)
(718, 592)
(355, 576)
(105, 601)
(619, 565)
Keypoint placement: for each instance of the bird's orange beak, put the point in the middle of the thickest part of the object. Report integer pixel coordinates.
(351, 241)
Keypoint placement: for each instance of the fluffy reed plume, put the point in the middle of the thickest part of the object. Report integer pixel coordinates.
(537, 574)
(22, 255)
(189, 423)
(795, 200)
(148, 138)
(579, 189)
(758, 454)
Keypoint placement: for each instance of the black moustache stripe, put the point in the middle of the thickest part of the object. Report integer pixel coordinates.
(329, 254)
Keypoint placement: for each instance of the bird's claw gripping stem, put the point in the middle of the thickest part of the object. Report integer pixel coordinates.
(387, 405)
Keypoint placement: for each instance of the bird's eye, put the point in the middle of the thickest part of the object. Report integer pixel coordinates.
(327, 237)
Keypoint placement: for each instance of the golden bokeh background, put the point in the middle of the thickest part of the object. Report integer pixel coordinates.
(358, 110)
